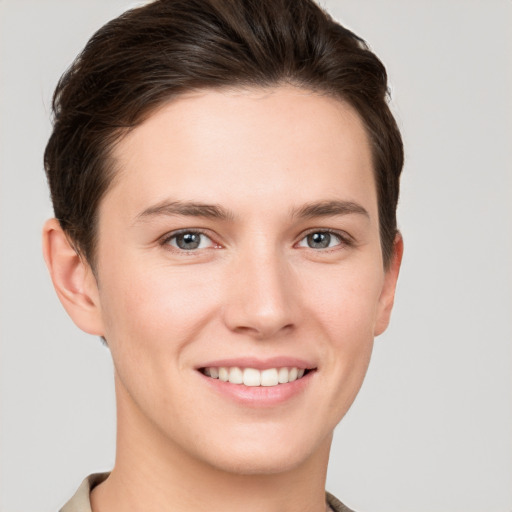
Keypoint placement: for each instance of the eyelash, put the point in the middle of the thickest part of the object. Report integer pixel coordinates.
(345, 240)
(170, 236)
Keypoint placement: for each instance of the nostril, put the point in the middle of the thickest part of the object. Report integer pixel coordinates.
(264, 330)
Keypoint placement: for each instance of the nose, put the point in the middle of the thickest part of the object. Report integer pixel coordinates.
(261, 296)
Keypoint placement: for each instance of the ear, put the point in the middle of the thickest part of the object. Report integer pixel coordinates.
(72, 279)
(387, 296)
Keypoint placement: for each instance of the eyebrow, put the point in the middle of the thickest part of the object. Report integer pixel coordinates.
(186, 208)
(215, 211)
(329, 209)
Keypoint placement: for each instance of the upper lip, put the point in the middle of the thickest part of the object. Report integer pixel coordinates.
(260, 364)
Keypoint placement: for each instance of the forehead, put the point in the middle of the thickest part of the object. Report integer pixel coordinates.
(253, 144)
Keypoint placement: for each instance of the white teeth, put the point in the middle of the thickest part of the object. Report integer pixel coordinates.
(269, 377)
(253, 377)
(282, 375)
(235, 375)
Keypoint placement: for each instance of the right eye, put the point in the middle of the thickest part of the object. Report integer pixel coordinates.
(189, 241)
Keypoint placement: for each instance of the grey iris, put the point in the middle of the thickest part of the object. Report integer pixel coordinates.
(188, 241)
(319, 240)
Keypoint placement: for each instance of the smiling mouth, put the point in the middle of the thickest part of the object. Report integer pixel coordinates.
(253, 377)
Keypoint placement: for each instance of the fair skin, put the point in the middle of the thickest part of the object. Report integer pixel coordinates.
(276, 264)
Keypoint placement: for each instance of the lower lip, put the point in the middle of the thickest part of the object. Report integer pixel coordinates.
(260, 396)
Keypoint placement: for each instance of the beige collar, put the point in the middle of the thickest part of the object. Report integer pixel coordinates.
(80, 502)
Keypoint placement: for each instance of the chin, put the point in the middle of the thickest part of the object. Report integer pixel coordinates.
(266, 456)
(257, 464)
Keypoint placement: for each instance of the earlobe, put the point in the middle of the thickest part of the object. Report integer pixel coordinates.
(72, 279)
(387, 296)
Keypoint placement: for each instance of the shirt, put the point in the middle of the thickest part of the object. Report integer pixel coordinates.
(81, 502)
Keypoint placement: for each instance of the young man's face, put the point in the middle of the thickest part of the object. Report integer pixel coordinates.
(241, 232)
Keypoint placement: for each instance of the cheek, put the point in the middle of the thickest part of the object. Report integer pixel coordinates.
(346, 301)
(152, 318)
(154, 311)
(346, 312)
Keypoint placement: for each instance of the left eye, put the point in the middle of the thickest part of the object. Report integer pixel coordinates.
(320, 240)
(189, 241)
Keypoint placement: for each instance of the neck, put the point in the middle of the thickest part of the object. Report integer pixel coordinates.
(152, 473)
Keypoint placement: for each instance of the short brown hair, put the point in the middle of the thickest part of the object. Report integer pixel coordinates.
(154, 53)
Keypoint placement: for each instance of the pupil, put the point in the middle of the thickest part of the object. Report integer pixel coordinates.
(319, 240)
(188, 241)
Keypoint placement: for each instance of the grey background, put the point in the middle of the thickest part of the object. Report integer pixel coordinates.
(432, 428)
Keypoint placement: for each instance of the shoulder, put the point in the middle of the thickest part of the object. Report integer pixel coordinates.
(336, 504)
(80, 502)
